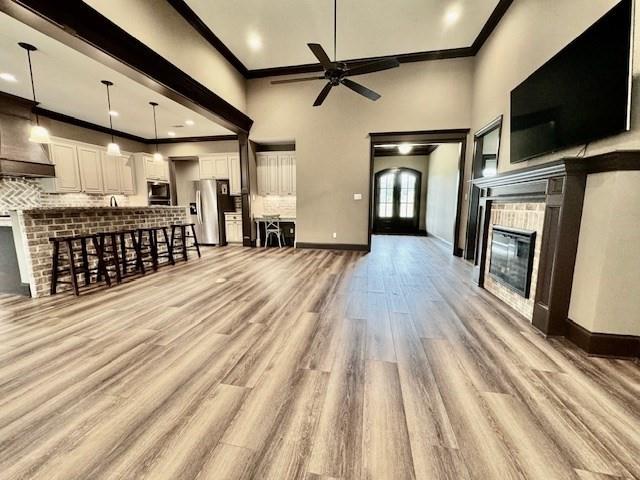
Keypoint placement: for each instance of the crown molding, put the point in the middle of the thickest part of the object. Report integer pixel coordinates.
(201, 27)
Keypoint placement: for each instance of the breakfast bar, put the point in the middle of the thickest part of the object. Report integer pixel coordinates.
(34, 227)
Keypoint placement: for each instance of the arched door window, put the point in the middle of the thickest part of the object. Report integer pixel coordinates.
(397, 201)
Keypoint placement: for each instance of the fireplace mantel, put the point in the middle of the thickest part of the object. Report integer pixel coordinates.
(561, 186)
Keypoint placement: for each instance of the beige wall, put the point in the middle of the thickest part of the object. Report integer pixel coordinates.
(332, 141)
(187, 171)
(606, 284)
(197, 148)
(156, 24)
(79, 134)
(530, 33)
(443, 191)
(417, 162)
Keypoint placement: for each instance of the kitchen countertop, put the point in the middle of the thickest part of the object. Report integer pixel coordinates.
(93, 209)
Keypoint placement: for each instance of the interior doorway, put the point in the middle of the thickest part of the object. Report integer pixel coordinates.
(398, 195)
(397, 201)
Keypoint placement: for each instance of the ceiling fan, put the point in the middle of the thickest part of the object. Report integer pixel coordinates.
(336, 72)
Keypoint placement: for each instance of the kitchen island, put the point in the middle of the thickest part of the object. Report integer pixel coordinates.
(33, 228)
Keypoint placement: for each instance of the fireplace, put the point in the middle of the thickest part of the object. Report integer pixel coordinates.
(511, 261)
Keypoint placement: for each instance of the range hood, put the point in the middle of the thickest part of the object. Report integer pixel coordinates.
(18, 156)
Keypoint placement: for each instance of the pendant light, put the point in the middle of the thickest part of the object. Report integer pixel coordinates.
(157, 155)
(113, 149)
(38, 134)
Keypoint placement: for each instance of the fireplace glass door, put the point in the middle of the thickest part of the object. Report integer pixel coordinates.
(512, 258)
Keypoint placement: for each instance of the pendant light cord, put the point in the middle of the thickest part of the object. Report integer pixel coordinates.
(109, 113)
(155, 126)
(33, 86)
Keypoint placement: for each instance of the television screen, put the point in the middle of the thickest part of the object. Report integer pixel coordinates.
(580, 95)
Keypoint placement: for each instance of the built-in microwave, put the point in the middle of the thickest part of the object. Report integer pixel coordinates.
(159, 193)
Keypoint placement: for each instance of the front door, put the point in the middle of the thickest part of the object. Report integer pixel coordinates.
(397, 201)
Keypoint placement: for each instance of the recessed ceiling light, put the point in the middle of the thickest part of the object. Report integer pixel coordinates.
(405, 148)
(113, 113)
(189, 122)
(8, 77)
(452, 15)
(171, 134)
(254, 41)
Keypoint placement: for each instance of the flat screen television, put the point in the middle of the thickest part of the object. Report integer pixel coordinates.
(581, 94)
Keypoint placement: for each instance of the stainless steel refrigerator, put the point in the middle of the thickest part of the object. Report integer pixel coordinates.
(210, 199)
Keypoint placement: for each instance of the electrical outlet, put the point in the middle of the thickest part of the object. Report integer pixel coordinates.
(335, 235)
(357, 196)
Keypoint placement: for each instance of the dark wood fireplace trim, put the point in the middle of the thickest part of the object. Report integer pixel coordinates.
(561, 186)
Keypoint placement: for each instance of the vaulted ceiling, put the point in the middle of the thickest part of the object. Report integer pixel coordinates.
(266, 34)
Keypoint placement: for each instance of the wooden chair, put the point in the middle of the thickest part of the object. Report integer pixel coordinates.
(272, 227)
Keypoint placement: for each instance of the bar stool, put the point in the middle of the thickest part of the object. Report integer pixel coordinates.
(110, 253)
(147, 247)
(167, 250)
(72, 268)
(183, 239)
(125, 249)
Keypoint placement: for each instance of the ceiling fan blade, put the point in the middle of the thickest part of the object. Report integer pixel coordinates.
(323, 94)
(321, 55)
(372, 67)
(296, 80)
(361, 89)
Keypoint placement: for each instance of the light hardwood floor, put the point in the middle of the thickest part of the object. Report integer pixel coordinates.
(305, 365)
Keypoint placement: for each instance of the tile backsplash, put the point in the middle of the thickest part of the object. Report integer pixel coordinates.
(284, 205)
(23, 193)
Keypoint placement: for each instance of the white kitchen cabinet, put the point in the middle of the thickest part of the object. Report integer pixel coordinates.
(214, 166)
(235, 182)
(127, 174)
(82, 167)
(276, 173)
(110, 171)
(155, 169)
(91, 178)
(64, 156)
(233, 227)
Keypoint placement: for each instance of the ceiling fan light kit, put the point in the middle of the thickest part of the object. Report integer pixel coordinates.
(336, 72)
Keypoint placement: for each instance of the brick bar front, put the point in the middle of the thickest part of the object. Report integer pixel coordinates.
(37, 225)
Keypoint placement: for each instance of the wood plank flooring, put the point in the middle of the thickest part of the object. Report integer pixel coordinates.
(305, 365)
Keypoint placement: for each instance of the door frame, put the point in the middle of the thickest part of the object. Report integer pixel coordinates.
(473, 228)
(418, 194)
(435, 136)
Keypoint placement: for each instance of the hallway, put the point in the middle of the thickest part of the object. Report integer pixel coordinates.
(309, 364)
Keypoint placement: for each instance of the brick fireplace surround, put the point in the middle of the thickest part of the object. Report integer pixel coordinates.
(555, 191)
(523, 216)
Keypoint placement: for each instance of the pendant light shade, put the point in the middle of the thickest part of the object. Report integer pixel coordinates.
(38, 134)
(113, 149)
(157, 156)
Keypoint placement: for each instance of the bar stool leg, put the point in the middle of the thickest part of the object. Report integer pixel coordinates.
(54, 267)
(136, 247)
(85, 261)
(101, 265)
(183, 232)
(116, 259)
(72, 267)
(123, 252)
(195, 240)
(168, 244)
(153, 241)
